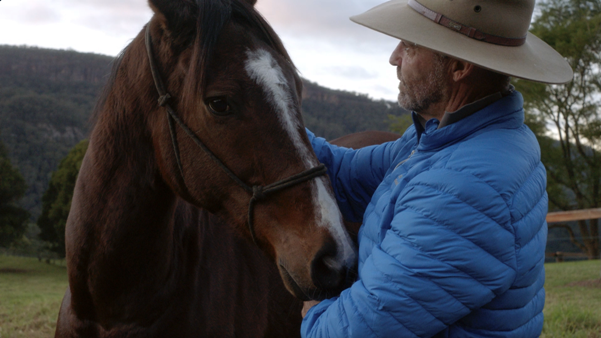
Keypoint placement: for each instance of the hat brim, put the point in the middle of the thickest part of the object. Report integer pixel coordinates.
(535, 60)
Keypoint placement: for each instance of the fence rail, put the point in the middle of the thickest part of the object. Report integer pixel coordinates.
(573, 215)
(568, 216)
(560, 256)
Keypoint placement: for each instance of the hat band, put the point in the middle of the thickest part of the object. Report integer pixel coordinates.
(465, 30)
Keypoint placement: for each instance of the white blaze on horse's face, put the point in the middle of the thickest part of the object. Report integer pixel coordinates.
(264, 69)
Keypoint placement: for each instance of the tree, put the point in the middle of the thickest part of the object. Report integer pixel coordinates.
(399, 124)
(13, 219)
(567, 118)
(56, 201)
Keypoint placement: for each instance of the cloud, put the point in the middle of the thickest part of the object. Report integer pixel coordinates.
(325, 45)
(120, 18)
(321, 20)
(40, 15)
(32, 12)
(353, 72)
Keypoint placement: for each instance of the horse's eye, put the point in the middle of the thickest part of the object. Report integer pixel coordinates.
(219, 105)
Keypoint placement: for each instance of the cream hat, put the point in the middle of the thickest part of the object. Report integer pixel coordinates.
(492, 34)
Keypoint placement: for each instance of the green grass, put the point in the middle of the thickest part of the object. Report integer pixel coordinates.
(572, 310)
(30, 298)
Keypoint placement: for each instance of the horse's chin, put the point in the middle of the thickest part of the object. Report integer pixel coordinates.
(307, 293)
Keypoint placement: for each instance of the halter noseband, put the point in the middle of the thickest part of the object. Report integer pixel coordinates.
(258, 192)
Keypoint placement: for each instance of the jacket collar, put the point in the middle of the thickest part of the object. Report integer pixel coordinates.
(507, 112)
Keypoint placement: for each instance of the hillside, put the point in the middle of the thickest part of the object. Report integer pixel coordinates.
(47, 96)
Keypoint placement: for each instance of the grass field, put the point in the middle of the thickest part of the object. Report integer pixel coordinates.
(30, 296)
(31, 292)
(573, 310)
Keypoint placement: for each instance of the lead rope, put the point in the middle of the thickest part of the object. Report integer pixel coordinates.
(258, 192)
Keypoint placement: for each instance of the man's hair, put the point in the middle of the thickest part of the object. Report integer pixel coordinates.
(499, 81)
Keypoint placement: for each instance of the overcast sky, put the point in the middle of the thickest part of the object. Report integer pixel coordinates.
(325, 45)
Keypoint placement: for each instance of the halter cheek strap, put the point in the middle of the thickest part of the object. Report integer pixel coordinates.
(257, 192)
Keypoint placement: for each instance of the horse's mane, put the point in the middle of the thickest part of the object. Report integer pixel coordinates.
(101, 101)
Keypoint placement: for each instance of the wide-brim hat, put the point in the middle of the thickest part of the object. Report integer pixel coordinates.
(492, 34)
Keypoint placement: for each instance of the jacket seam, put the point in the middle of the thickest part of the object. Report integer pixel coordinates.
(512, 330)
(479, 179)
(424, 184)
(520, 189)
(418, 303)
(362, 318)
(448, 264)
(463, 145)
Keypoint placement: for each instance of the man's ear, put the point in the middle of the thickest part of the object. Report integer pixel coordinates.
(175, 16)
(460, 69)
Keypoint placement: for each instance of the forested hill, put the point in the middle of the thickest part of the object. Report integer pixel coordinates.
(333, 113)
(47, 96)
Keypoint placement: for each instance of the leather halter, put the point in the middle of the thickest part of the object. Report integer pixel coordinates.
(257, 192)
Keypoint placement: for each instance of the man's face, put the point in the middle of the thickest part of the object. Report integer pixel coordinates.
(422, 76)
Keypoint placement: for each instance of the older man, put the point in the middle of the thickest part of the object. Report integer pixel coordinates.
(453, 235)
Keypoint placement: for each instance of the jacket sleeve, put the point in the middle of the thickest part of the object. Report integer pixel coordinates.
(447, 252)
(355, 174)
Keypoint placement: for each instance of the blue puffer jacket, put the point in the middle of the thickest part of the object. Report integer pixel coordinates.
(453, 235)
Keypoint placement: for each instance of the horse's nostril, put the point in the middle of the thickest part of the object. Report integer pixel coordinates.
(326, 272)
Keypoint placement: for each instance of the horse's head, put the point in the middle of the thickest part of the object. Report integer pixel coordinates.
(236, 90)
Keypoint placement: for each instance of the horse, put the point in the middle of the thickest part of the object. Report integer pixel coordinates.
(365, 138)
(200, 208)
(359, 140)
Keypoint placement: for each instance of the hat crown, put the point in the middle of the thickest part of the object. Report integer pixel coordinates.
(492, 34)
(503, 18)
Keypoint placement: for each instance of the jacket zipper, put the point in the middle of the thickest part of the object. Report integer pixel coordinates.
(405, 160)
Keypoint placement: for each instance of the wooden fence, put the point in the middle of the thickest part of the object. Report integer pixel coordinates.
(568, 216)
(574, 215)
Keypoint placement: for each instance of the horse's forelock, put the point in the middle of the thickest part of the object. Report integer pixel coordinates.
(212, 18)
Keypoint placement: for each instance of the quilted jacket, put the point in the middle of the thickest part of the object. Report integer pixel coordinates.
(453, 235)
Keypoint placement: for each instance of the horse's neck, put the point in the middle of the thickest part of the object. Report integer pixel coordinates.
(122, 199)
(120, 229)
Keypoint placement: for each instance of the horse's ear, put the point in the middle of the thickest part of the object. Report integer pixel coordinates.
(175, 16)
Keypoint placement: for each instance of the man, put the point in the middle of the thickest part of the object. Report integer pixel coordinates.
(453, 235)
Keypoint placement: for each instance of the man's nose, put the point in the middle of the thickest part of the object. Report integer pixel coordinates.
(396, 56)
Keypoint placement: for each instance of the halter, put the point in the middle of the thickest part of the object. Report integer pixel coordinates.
(257, 192)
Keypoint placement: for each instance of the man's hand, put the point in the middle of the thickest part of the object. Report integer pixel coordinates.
(308, 305)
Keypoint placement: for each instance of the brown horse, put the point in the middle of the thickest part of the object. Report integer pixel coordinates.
(146, 257)
(360, 140)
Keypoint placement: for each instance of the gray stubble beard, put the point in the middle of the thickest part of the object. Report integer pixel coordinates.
(420, 97)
